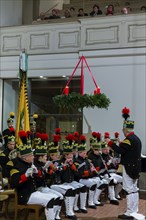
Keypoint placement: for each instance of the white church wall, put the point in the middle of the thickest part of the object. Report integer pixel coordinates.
(120, 75)
(10, 12)
(50, 4)
(124, 83)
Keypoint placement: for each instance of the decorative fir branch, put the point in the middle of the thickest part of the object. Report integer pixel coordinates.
(78, 101)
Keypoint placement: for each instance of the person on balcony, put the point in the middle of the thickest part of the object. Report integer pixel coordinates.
(96, 11)
(67, 14)
(110, 10)
(55, 14)
(81, 13)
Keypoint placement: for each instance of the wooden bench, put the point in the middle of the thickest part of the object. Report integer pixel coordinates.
(4, 206)
(36, 208)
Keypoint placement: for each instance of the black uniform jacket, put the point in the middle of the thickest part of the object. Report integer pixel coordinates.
(24, 185)
(56, 172)
(112, 168)
(130, 150)
(68, 173)
(84, 168)
(41, 179)
(11, 163)
(4, 158)
(97, 162)
(7, 132)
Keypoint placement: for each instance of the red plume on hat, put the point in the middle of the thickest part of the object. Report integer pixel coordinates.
(116, 134)
(23, 136)
(75, 139)
(44, 137)
(106, 135)
(98, 136)
(70, 138)
(38, 134)
(56, 139)
(58, 131)
(83, 139)
(76, 136)
(94, 134)
(125, 113)
(12, 130)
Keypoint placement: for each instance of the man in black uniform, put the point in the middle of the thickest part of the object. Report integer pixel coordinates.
(62, 176)
(33, 134)
(9, 131)
(87, 175)
(130, 150)
(24, 176)
(41, 163)
(4, 155)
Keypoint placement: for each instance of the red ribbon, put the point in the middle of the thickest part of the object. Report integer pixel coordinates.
(70, 78)
(82, 75)
(90, 72)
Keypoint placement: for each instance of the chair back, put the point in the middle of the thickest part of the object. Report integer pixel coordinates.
(1, 179)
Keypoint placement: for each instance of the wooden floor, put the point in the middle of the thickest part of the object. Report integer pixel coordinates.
(106, 212)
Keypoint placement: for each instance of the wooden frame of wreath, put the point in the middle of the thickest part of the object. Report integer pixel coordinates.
(80, 100)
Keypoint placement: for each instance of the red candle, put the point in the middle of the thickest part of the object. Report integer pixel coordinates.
(95, 91)
(98, 90)
(66, 90)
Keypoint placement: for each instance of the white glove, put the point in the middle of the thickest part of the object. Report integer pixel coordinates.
(47, 164)
(109, 162)
(1, 145)
(34, 169)
(28, 172)
(115, 161)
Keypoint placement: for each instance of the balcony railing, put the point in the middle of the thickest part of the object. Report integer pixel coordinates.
(74, 35)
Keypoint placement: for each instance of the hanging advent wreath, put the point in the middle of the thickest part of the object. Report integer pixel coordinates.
(80, 100)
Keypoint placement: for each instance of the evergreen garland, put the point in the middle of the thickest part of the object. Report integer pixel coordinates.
(78, 101)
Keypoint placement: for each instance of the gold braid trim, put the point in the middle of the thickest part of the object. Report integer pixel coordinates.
(126, 141)
(10, 163)
(41, 147)
(67, 147)
(13, 171)
(53, 148)
(2, 154)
